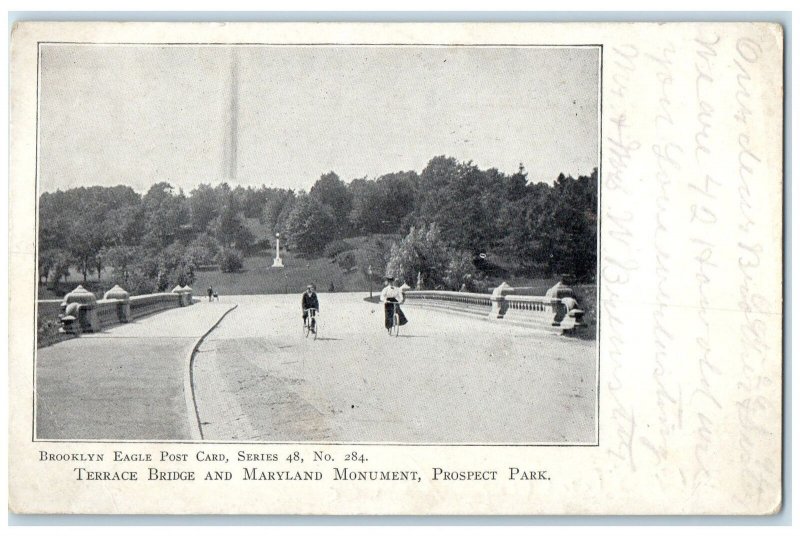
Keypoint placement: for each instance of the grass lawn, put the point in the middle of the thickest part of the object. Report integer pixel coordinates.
(258, 277)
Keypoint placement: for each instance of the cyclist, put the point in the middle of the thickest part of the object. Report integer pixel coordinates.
(392, 297)
(310, 305)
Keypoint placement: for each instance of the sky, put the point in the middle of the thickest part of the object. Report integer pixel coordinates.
(137, 115)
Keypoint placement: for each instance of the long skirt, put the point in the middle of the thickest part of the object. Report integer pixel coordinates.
(389, 309)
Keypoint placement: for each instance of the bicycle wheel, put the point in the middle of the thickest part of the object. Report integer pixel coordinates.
(316, 328)
(306, 326)
(396, 325)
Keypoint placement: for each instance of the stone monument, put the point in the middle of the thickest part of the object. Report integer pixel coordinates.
(277, 262)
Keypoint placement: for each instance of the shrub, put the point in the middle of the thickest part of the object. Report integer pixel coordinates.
(204, 240)
(334, 248)
(47, 332)
(198, 256)
(346, 260)
(230, 260)
(141, 284)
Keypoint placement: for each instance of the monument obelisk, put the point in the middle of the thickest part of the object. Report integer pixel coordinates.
(277, 262)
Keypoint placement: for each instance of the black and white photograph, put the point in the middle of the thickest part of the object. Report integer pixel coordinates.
(413, 268)
(331, 244)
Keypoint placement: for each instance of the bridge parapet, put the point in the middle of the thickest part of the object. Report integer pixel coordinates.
(473, 299)
(146, 304)
(80, 310)
(553, 312)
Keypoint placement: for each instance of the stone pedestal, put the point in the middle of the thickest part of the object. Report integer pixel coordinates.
(69, 319)
(124, 306)
(499, 303)
(566, 312)
(560, 290)
(184, 295)
(87, 312)
(187, 295)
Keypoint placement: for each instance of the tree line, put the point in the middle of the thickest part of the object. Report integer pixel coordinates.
(454, 221)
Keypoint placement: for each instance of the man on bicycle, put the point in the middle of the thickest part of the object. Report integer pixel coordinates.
(310, 305)
(392, 297)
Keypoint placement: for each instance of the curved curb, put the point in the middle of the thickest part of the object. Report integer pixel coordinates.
(188, 381)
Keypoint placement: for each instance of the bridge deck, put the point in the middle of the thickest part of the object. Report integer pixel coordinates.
(446, 379)
(125, 383)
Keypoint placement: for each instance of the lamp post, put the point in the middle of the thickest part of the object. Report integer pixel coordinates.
(369, 277)
(277, 262)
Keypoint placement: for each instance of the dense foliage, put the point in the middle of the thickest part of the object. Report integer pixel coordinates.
(457, 222)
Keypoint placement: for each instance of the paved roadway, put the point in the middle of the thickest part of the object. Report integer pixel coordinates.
(448, 378)
(126, 383)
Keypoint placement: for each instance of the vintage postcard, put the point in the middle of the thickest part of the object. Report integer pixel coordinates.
(380, 268)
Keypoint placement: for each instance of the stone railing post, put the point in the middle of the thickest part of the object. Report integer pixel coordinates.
(70, 313)
(124, 306)
(561, 307)
(574, 316)
(499, 302)
(187, 295)
(178, 290)
(87, 310)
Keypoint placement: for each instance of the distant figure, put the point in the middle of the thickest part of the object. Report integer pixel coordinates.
(210, 293)
(310, 305)
(331, 289)
(392, 297)
(216, 296)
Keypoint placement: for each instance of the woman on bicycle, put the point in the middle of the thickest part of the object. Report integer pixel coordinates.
(310, 305)
(392, 297)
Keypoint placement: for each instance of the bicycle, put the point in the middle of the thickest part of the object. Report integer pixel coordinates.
(311, 323)
(394, 330)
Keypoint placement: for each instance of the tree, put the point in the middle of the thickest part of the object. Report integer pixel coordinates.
(331, 192)
(230, 229)
(165, 214)
(372, 258)
(204, 204)
(422, 252)
(529, 236)
(381, 206)
(517, 183)
(198, 256)
(61, 262)
(310, 225)
(573, 219)
(122, 259)
(432, 181)
(124, 225)
(47, 262)
(86, 240)
(278, 206)
(230, 260)
(206, 242)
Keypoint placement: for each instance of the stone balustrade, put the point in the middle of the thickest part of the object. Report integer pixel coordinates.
(471, 299)
(80, 311)
(147, 304)
(557, 311)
